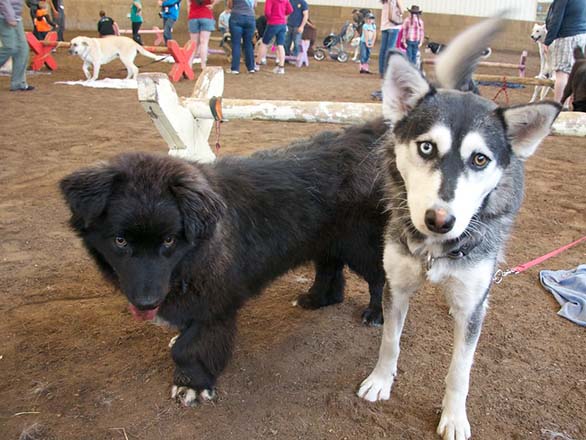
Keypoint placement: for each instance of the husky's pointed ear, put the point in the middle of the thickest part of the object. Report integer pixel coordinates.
(87, 192)
(403, 87)
(199, 204)
(528, 125)
(455, 66)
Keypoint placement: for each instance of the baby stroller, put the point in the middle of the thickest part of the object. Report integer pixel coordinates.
(334, 44)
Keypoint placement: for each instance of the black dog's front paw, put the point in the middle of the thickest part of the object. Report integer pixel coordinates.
(372, 317)
(189, 397)
(312, 301)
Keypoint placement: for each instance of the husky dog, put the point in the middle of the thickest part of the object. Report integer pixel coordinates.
(538, 34)
(454, 163)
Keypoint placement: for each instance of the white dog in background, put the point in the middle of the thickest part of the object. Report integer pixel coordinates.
(538, 35)
(97, 51)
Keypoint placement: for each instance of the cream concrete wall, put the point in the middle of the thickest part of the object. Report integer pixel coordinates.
(83, 15)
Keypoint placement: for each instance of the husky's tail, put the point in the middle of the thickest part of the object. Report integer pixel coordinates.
(455, 65)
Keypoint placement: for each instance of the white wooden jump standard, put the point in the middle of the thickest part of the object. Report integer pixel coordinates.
(186, 123)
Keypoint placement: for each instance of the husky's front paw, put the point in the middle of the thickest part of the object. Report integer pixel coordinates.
(454, 425)
(377, 386)
(189, 397)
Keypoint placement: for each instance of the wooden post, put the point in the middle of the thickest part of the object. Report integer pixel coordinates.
(185, 135)
(570, 124)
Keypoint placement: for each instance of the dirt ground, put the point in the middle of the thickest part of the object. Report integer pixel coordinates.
(75, 365)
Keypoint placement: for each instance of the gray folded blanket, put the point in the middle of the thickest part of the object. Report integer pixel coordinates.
(569, 289)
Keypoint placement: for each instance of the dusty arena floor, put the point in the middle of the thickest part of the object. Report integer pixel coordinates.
(75, 365)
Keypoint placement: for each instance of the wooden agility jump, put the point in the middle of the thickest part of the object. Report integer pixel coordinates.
(42, 54)
(186, 123)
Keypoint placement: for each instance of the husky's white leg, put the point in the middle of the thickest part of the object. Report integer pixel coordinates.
(404, 276)
(467, 296)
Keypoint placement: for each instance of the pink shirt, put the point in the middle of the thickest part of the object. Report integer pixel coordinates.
(276, 11)
(413, 28)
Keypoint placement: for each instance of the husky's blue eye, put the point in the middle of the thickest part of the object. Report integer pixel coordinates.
(120, 242)
(480, 161)
(426, 149)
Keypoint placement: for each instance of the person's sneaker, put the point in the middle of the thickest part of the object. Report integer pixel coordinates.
(23, 89)
(368, 72)
(233, 72)
(256, 68)
(263, 61)
(279, 70)
(252, 71)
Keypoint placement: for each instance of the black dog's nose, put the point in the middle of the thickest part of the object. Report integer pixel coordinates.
(439, 221)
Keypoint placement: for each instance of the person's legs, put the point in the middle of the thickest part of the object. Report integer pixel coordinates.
(269, 33)
(195, 38)
(60, 20)
(289, 40)
(384, 47)
(204, 40)
(296, 43)
(561, 79)
(412, 51)
(236, 31)
(135, 32)
(168, 29)
(14, 45)
(249, 26)
(280, 42)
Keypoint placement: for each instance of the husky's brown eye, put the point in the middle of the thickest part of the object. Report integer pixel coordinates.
(120, 242)
(479, 160)
(426, 149)
(169, 241)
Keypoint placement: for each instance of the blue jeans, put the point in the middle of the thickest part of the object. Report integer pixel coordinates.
(388, 41)
(168, 28)
(242, 29)
(364, 53)
(412, 51)
(14, 46)
(292, 37)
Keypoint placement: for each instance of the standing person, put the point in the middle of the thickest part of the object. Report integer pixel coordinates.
(14, 43)
(413, 33)
(170, 14)
(136, 20)
(295, 25)
(58, 13)
(566, 29)
(390, 24)
(33, 5)
(242, 27)
(201, 25)
(367, 40)
(43, 22)
(276, 12)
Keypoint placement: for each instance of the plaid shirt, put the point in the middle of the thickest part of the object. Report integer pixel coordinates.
(413, 28)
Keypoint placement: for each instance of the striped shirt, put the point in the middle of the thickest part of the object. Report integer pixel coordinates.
(413, 28)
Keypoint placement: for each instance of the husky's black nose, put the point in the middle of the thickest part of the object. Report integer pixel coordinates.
(439, 221)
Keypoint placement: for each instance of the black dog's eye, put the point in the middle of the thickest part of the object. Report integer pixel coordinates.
(480, 161)
(426, 149)
(120, 242)
(169, 241)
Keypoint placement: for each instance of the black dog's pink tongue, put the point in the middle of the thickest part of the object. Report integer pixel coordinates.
(143, 315)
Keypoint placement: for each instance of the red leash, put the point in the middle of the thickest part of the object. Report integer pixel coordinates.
(500, 274)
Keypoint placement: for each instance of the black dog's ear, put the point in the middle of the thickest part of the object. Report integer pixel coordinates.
(199, 204)
(87, 192)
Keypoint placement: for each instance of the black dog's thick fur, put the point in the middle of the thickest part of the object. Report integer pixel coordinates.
(194, 241)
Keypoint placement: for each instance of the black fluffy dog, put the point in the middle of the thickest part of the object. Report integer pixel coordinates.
(576, 85)
(188, 243)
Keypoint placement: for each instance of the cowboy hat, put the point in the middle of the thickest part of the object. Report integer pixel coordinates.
(415, 9)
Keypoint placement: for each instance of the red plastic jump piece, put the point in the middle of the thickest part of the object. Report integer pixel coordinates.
(182, 56)
(41, 52)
